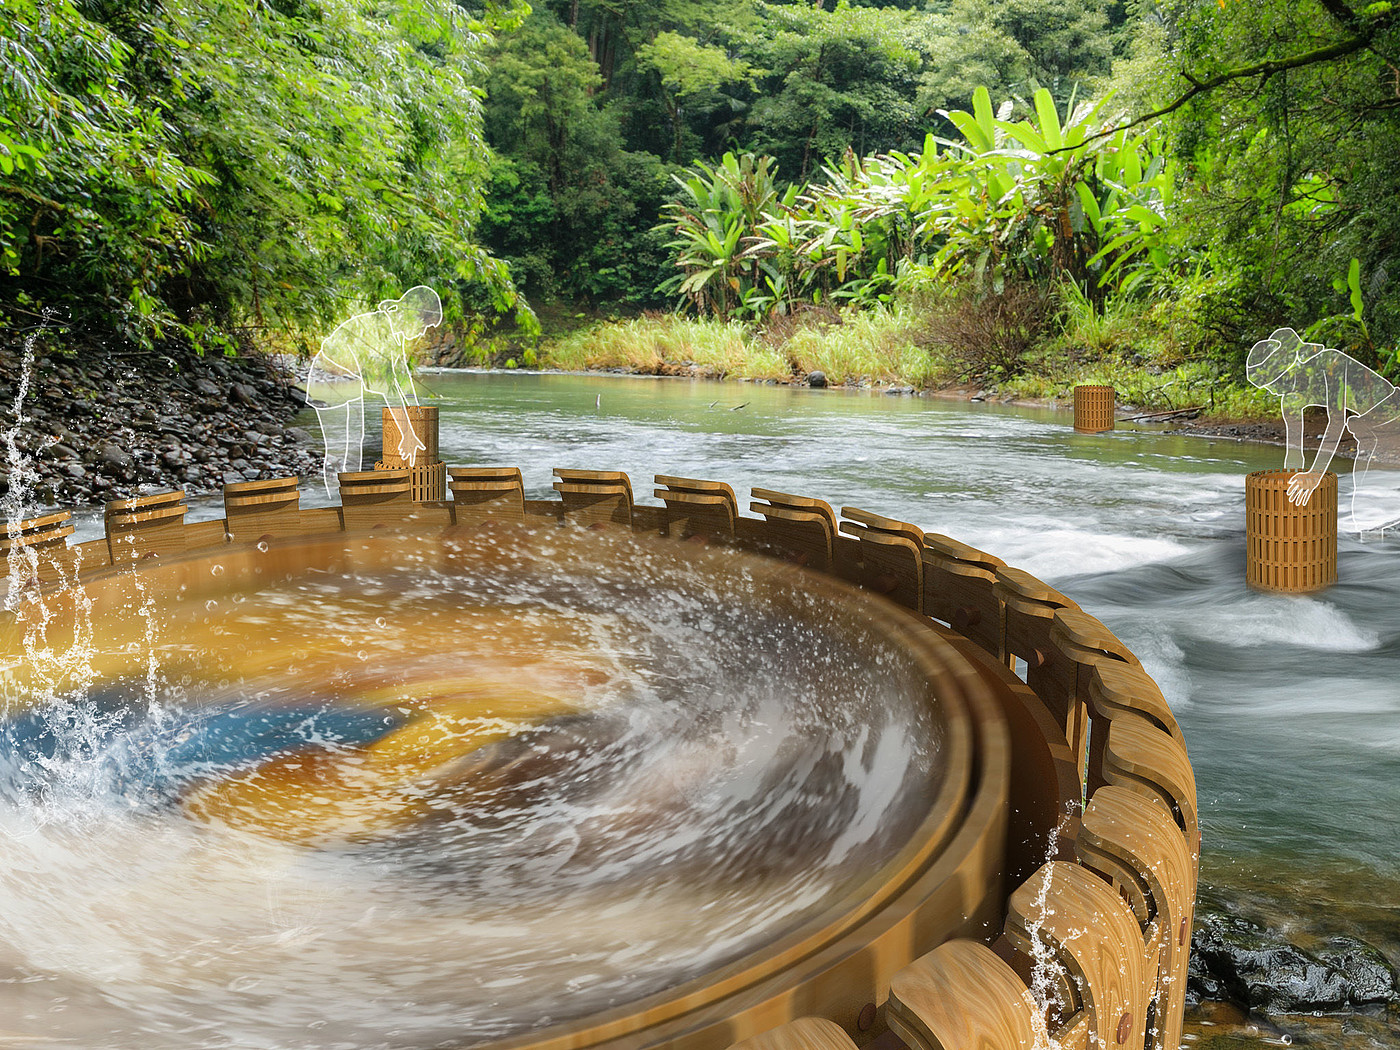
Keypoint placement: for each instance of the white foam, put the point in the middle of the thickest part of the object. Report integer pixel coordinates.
(1053, 553)
(1258, 619)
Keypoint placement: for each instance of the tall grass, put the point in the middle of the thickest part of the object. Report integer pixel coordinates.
(878, 345)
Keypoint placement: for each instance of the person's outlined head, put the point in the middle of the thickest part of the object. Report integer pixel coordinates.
(1272, 358)
(414, 312)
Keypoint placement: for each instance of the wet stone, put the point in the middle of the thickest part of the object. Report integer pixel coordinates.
(1370, 978)
(1237, 960)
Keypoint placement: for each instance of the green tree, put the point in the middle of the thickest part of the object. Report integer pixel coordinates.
(567, 205)
(832, 81)
(1287, 113)
(202, 167)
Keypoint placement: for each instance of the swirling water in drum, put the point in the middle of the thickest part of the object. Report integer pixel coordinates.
(423, 806)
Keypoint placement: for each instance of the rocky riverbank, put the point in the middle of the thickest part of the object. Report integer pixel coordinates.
(95, 427)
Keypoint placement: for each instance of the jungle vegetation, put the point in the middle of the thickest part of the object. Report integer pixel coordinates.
(1006, 187)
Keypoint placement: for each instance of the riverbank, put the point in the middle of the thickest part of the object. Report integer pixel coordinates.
(83, 427)
(927, 347)
(99, 428)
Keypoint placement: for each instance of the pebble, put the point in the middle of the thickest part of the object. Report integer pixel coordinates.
(100, 428)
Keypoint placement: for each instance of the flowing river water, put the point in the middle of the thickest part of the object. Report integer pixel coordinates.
(1289, 705)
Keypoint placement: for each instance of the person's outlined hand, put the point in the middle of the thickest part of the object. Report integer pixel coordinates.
(1302, 486)
(409, 444)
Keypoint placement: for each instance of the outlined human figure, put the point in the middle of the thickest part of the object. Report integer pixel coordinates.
(1355, 398)
(368, 354)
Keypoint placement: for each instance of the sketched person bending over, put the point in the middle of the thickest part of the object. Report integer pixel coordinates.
(1356, 399)
(368, 354)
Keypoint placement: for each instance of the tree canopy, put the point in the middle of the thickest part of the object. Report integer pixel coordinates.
(212, 167)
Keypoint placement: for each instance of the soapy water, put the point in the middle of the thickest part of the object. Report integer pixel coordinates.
(437, 806)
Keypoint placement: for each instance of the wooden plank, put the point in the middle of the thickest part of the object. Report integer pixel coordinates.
(805, 1033)
(804, 528)
(1127, 827)
(37, 548)
(891, 556)
(1085, 643)
(960, 995)
(1141, 756)
(481, 494)
(147, 526)
(201, 535)
(695, 507)
(592, 497)
(374, 498)
(1096, 938)
(254, 509)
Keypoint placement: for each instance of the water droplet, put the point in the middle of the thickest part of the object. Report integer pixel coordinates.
(262, 546)
(1287, 1040)
(216, 570)
(211, 605)
(381, 622)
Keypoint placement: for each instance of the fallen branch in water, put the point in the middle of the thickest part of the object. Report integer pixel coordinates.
(1168, 413)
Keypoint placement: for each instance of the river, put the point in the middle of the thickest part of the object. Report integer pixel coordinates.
(1289, 705)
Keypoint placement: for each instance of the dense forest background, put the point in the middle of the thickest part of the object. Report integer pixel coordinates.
(1157, 182)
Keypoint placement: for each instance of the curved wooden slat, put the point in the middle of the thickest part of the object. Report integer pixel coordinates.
(481, 494)
(593, 497)
(695, 507)
(1131, 829)
(804, 526)
(1142, 756)
(961, 996)
(891, 554)
(1129, 688)
(271, 507)
(146, 525)
(1095, 936)
(959, 589)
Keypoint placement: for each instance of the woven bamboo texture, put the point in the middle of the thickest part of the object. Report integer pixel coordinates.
(1290, 549)
(1093, 408)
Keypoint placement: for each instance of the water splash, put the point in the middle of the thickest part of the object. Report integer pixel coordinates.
(1047, 974)
(24, 479)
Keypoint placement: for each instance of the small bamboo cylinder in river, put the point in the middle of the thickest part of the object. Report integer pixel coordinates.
(1093, 408)
(1290, 548)
(414, 429)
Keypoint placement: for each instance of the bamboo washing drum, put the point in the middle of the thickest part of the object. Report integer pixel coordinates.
(1290, 549)
(1093, 408)
(534, 774)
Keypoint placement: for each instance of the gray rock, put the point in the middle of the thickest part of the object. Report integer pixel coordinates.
(816, 379)
(1263, 972)
(299, 435)
(115, 457)
(207, 387)
(74, 469)
(1369, 976)
(62, 451)
(243, 394)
